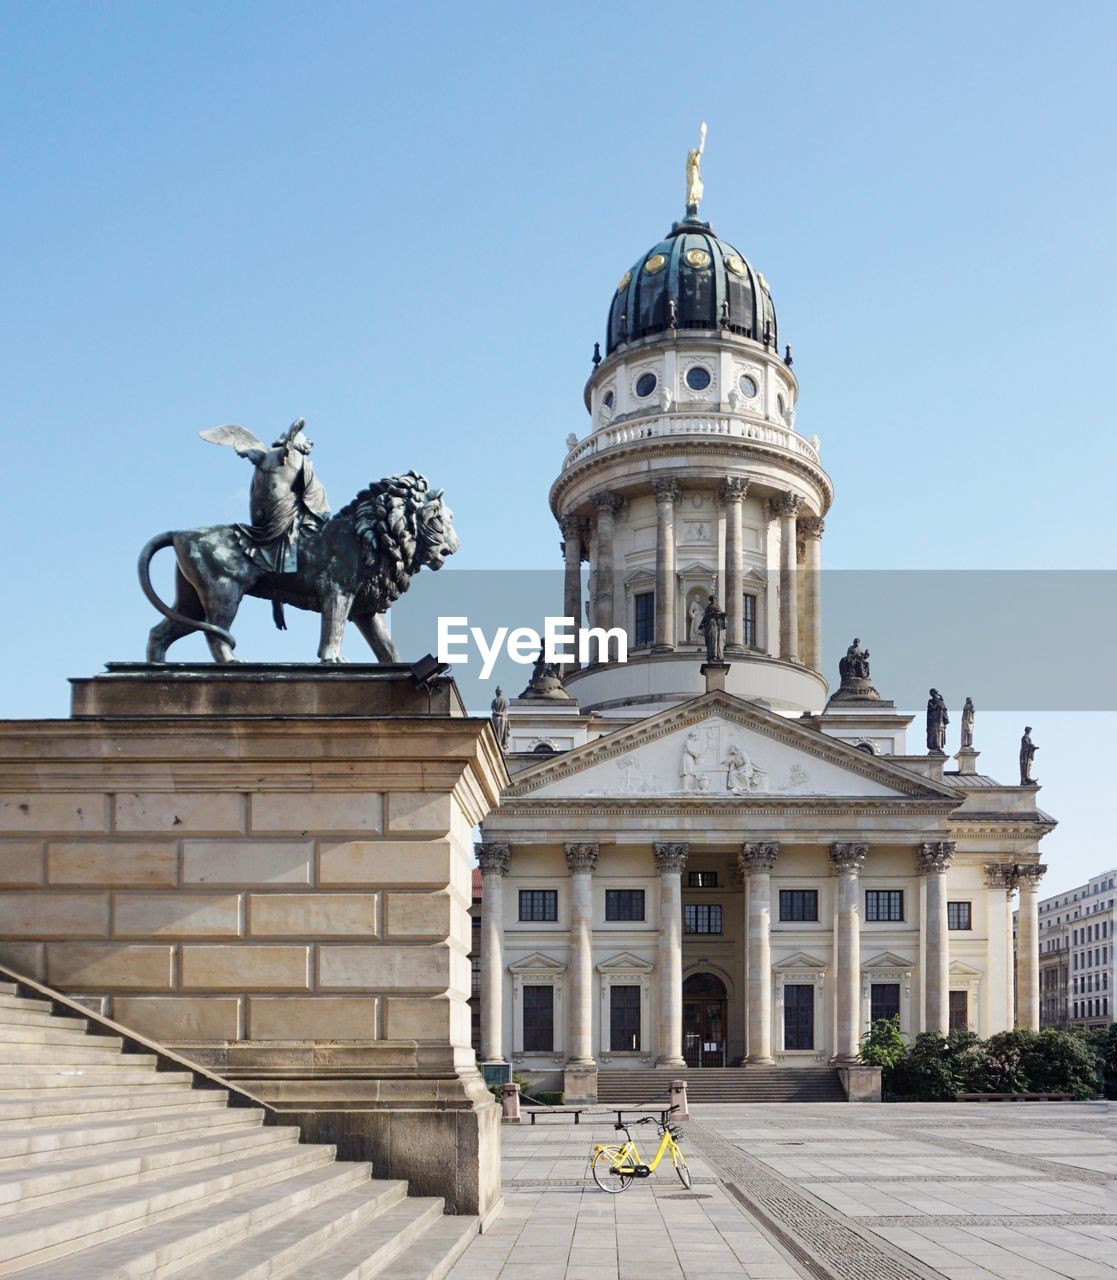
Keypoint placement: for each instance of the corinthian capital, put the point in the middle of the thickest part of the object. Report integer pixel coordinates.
(811, 527)
(493, 855)
(670, 856)
(1000, 875)
(733, 488)
(573, 527)
(666, 489)
(934, 857)
(1029, 874)
(606, 502)
(847, 858)
(759, 857)
(582, 857)
(785, 504)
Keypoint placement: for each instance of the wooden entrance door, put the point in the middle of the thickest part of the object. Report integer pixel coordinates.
(704, 1012)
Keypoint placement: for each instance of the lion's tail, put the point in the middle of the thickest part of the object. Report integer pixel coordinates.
(157, 543)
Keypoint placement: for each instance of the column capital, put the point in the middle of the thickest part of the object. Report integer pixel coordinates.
(812, 527)
(759, 857)
(493, 855)
(606, 502)
(784, 506)
(733, 488)
(1029, 874)
(572, 526)
(847, 859)
(933, 857)
(1000, 875)
(583, 857)
(670, 855)
(666, 489)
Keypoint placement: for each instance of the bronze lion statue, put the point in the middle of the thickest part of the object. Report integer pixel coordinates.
(355, 567)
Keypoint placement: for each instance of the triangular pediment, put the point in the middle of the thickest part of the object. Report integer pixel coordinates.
(625, 962)
(720, 747)
(801, 961)
(958, 969)
(537, 963)
(888, 960)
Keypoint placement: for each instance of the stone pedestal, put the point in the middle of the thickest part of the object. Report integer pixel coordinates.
(268, 870)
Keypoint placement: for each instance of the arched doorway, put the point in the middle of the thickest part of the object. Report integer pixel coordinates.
(704, 1009)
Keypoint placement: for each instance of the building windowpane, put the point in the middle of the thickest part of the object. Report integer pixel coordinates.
(959, 915)
(798, 1016)
(645, 618)
(624, 904)
(702, 879)
(884, 1001)
(538, 904)
(624, 1018)
(959, 1011)
(798, 904)
(701, 917)
(884, 904)
(750, 620)
(539, 1019)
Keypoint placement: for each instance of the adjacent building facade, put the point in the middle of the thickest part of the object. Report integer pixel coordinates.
(702, 859)
(1077, 964)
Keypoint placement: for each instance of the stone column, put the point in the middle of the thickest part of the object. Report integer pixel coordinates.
(606, 505)
(1000, 880)
(756, 862)
(573, 532)
(666, 495)
(846, 861)
(933, 860)
(581, 859)
(811, 529)
(732, 494)
(786, 508)
(1028, 876)
(670, 859)
(494, 860)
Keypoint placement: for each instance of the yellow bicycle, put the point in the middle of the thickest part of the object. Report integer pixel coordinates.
(615, 1166)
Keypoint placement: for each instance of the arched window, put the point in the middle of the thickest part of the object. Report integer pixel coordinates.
(704, 984)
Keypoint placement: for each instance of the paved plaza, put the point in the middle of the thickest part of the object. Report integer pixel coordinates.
(831, 1192)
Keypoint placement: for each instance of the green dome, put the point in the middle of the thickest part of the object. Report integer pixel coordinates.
(710, 283)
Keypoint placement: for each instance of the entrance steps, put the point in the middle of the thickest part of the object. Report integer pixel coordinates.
(723, 1084)
(111, 1167)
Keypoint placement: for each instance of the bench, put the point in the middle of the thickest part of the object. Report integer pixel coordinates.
(1013, 1097)
(550, 1111)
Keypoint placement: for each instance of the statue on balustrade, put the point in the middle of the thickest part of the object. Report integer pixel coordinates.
(967, 725)
(501, 727)
(937, 720)
(1028, 751)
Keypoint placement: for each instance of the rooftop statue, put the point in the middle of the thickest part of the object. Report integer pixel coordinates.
(1028, 751)
(967, 725)
(353, 565)
(694, 187)
(937, 720)
(856, 684)
(712, 627)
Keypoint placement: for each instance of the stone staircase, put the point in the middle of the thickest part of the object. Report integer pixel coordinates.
(113, 1164)
(723, 1084)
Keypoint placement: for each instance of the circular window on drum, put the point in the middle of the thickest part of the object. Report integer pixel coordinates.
(645, 384)
(698, 377)
(747, 385)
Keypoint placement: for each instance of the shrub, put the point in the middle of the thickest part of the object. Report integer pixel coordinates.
(548, 1097)
(884, 1044)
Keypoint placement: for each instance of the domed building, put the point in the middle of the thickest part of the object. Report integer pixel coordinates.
(703, 863)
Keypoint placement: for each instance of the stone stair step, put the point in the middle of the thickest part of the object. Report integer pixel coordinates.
(308, 1237)
(23, 1002)
(23, 1189)
(8, 988)
(49, 1034)
(69, 1053)
(31, 1081)
(373, 1248)
(437, 1249)
(55, 1230)
(40, 1016)
(104, 1134)
(164, 1247)
(54, 1104)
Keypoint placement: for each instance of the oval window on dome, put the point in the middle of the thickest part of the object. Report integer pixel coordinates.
(748, 386)
(655, 263)
(645, 385)
(609, 399)
(624, 282)
(735, 264)
(698, 378)
(698, 257)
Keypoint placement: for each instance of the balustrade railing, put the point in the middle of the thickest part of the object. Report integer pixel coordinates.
(692, 425)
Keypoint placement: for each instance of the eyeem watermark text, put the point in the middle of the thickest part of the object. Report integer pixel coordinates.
(562, 641)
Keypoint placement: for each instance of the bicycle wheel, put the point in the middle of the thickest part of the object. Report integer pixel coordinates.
(681, 1167)
(602, 1165)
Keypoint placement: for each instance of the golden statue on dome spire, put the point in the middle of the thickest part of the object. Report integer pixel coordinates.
(694, 174)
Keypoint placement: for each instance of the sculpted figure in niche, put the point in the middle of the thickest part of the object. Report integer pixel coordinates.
(694, 620)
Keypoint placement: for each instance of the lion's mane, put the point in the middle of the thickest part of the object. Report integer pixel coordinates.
(386, 519)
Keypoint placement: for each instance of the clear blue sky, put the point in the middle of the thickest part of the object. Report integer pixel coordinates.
(405, 223)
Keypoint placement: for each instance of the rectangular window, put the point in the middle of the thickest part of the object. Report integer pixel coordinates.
(702, 879)
(624, 904)
(624, 1018)
(884, 904)
(959, 915)
(884, 1001)
(798, 904)
(798, 1016)
(700, 917)
(959, 1011)
(750, 620)
(645, 618)
(539, 1019)
(538, 904)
